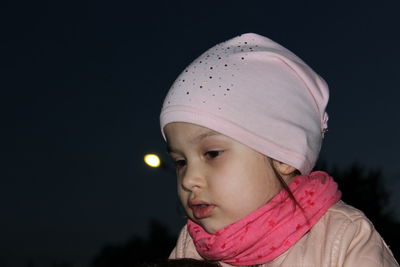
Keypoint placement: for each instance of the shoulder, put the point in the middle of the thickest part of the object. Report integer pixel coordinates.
(340, 221)
(353, 238)
(341, 217)
(345, 212)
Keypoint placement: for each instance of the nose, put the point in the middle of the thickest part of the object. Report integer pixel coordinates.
(193, 178)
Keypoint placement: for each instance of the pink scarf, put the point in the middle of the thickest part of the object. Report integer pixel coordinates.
(269, 231)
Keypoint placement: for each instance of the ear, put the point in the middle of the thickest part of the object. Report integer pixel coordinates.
(283, 168)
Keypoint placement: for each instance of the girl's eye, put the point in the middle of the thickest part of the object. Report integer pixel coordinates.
(180, 163)
(213, 153)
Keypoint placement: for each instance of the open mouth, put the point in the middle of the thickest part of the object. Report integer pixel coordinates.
(202, 211)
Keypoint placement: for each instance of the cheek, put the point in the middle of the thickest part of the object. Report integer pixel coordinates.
(265, 184)
(254, 181)
(182, 195)
(234, 183)
(222, 179)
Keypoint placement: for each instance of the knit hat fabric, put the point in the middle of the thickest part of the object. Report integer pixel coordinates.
(258, 93)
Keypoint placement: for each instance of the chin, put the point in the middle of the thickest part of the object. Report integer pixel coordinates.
(211, 229)
(206, 226)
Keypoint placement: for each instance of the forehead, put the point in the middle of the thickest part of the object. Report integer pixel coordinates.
(187, 132)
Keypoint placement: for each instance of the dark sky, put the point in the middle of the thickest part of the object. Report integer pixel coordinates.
(82, 86)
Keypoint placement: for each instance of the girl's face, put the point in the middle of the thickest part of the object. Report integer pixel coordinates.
(219, 180)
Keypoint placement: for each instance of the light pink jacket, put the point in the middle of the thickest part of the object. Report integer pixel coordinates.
(342, 237)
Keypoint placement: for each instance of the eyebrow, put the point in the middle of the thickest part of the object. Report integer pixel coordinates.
(197, 139)
(202, 136)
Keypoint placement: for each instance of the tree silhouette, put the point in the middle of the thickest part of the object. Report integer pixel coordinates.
(30, 263)
(158, 246)
(61, 264)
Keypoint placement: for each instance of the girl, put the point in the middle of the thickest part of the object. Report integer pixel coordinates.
(244, 125)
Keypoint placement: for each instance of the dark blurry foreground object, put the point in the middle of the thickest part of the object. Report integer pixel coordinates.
(179, 263)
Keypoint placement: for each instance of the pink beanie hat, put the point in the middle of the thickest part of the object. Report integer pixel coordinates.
(258, 93)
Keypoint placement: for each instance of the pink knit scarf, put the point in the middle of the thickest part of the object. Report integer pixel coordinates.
(269, 231)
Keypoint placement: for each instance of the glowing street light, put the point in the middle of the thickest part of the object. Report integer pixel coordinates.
(155, 161)
(152, 160)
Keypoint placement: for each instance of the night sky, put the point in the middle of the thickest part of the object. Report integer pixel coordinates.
(82, 85)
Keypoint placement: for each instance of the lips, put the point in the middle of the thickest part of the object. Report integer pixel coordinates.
(200, 209)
